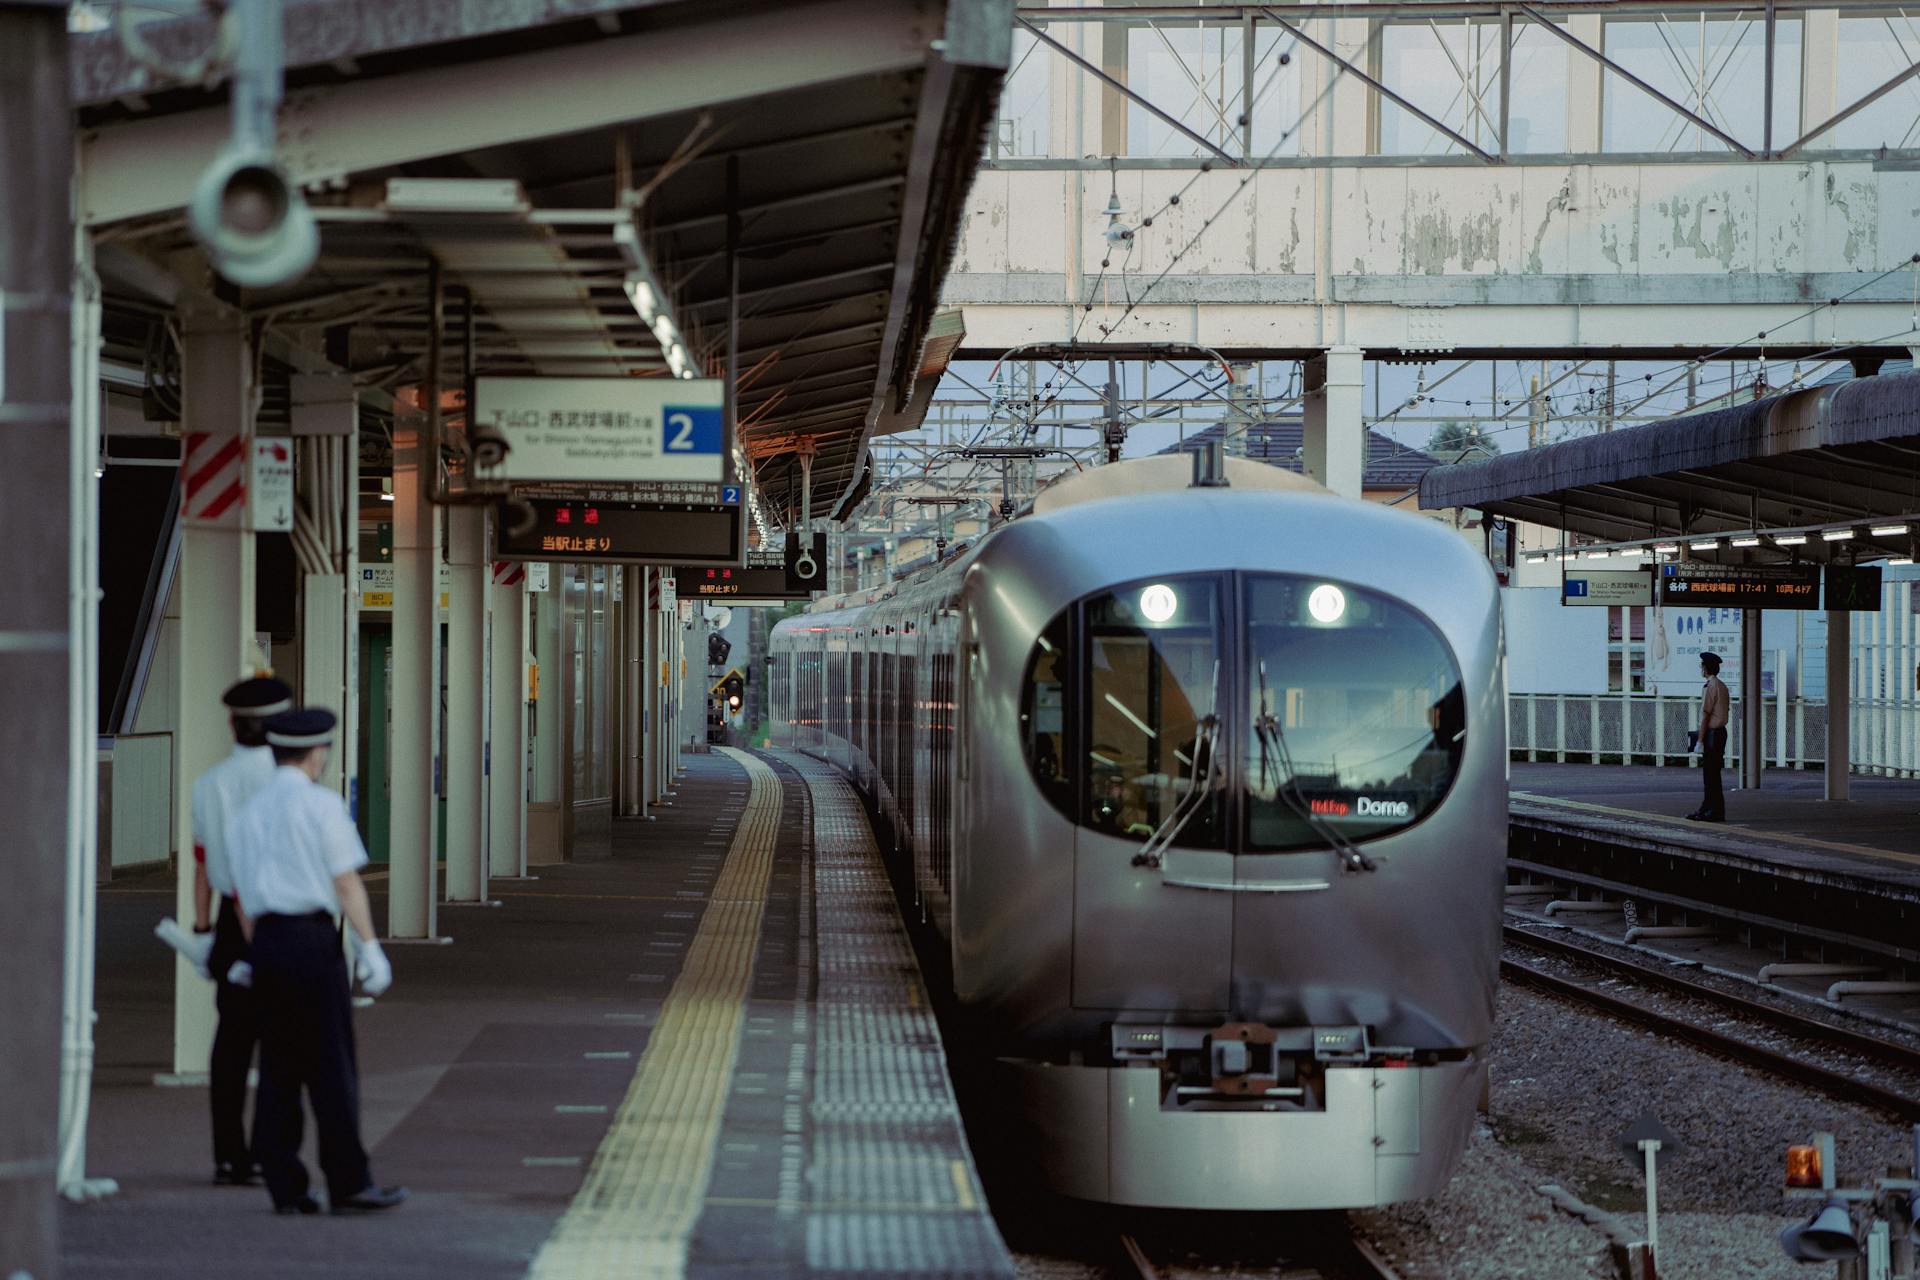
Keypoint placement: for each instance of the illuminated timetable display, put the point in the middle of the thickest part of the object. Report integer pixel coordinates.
(763, 578)
(629, 525)
(1785, 586)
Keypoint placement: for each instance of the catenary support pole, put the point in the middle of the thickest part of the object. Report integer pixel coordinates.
(36, 251)
(1753, 718)
(1839, 703)
(215, 586)
(467, 657)
(1334, 447)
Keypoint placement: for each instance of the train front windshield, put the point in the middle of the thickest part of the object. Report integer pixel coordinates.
(1296, 713)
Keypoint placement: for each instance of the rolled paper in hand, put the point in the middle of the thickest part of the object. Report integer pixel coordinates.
(193, 947)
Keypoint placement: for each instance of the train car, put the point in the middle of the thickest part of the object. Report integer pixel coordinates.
(1203, 791)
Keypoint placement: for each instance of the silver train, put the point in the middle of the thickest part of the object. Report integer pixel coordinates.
(1204, 791)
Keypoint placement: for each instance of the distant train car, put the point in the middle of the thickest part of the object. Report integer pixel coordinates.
(1205, 791)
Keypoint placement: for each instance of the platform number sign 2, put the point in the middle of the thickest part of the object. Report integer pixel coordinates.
(691, 429)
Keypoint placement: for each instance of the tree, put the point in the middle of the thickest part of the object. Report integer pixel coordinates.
(1461, 442)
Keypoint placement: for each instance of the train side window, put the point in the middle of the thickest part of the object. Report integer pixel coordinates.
(1043, 715)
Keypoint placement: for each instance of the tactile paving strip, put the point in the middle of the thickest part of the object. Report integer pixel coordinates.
(891, 1185)
(633, 1215)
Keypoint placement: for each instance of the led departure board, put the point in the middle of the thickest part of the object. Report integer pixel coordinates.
(1782, 586)
(629, 524)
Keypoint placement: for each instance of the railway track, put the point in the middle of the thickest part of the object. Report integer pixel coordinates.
(1347, 1257)
(1903, 1101)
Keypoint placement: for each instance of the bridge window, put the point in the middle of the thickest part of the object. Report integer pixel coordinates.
(1451, 71)
(1713, 65)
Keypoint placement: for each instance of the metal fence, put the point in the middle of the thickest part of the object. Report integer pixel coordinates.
(1613, 728)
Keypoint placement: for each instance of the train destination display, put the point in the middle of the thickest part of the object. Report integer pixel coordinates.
(1783, 586)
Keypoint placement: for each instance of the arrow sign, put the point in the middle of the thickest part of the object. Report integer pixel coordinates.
(1647, 1129)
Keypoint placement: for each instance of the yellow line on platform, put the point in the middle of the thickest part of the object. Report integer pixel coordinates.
(1830, 846)
(637, 1208)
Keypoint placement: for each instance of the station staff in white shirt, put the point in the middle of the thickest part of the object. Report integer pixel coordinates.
(296, 861)
(217, 796)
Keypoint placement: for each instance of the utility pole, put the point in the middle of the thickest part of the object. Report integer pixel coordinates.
(36, 523)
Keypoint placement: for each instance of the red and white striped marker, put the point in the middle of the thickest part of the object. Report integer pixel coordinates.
(213, 480)
(508, 573)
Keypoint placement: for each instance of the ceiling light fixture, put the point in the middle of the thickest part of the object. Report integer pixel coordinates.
(1888, 530)
(1705, 544)
(1746, 540)
(1835, 535)
(1789, 539)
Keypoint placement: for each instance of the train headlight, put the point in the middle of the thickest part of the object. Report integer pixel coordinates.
(1158, 603)
(1327, 603)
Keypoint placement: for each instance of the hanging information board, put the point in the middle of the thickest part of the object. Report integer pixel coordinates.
(764, 577)
(606, 430)
(1602, 588)
(1852, 588)
(677, 524)
(1774, 586)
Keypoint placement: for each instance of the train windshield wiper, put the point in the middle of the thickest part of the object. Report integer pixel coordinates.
(1273, 741)
(1206, 738)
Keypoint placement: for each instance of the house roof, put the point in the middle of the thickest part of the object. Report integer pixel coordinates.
(1389, 464)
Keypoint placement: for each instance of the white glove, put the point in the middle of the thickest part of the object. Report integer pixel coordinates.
(240, 974)
(194, 948)
(372, 968)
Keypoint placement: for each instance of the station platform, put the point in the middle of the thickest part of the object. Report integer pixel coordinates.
(710, 1054)
(1844, 870)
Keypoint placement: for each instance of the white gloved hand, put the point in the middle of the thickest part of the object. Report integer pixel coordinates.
(194, 948)
(372, 968)
(240, 974)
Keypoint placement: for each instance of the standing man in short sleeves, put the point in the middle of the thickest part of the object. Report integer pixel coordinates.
(296, 862)
(217, 796)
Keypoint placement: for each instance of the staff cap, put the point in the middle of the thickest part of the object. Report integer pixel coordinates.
(259, 698)
(307, 727)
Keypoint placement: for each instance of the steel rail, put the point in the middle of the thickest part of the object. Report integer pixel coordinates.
(1887, 1053)
(1837, 1084)
(1351, 1254)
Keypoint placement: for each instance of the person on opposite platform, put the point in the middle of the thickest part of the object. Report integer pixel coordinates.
(296, 861)
(1714, 706)
(217, 796)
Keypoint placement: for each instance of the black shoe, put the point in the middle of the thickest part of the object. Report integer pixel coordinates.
(304, 1205)
(1696, 816)
(373, 1197)
(235, 1175)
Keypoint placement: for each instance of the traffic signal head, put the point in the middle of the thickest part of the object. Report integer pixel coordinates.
(718, 647)
(736, 692)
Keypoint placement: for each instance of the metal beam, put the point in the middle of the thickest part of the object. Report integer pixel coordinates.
(149, 166)
(1848, 112)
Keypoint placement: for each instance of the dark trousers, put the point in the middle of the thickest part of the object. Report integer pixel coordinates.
(233, 1043)
(306, 1042)
(1713, 758)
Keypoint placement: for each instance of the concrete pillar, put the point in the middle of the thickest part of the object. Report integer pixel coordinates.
(468, 655)
(1820, 93)
(633, 606)
(1335, 439)
(1584, 80)
(1753, 704)
(215, 586)
(414, 824)
(326, 424)
(506, 748)
(1839, 703)
(38, 522)
(546, 722)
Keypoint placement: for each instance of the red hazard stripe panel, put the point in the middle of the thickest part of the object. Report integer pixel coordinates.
(213, 479)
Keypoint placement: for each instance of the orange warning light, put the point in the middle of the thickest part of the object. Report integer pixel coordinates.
(1803, 1165)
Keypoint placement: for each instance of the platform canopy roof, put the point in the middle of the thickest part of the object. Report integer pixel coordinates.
(542, 155)
(1845, 456)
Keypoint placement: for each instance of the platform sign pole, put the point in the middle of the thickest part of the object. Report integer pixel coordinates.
(1650, 1151)
(1839, 703)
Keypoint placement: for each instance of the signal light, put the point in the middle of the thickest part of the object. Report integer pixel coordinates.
(1803, 1165)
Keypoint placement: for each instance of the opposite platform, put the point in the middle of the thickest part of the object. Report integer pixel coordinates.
(638, 1066)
